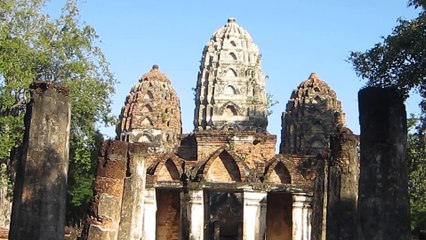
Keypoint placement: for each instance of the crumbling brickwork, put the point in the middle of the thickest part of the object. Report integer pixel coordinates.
(311, 115)
(343, 186)
(117, 206)
(151, 113)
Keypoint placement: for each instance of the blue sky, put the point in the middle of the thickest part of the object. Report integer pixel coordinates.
(295, 38)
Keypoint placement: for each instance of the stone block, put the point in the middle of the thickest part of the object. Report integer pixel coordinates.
(107, 207)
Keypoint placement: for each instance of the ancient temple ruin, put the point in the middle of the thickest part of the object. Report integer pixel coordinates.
(224, 180)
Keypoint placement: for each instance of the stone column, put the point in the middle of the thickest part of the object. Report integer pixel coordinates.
(383, 204)
(343, 186)
(150, 215)
(319, 202)
(196, 214)
(41, 180)
(133, 196)
(254, 215)
(104, 213)
(301, 217)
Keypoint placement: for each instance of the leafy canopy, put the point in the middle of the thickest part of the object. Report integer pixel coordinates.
(400, 60)
(35, 47)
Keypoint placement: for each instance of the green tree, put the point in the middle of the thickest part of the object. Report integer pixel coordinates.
(400, 62)
(417, 172)
(35, 47)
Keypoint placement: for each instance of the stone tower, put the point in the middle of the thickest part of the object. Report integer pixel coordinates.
(311, 116)
(230, 91)
(151, 113)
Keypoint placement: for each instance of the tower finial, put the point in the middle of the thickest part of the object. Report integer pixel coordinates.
(313, 76)
(231, 19)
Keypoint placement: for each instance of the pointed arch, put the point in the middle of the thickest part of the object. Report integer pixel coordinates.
(223, 165)
(146, 108)
(146, 122)
(145, 137)
(233, 56)
(148, 95)
(231, 73)
(168, 172)
(230, 111)
(167, 168)
(281, 170)
(280, 174)
(223, 168)
(230, 90)
(232, 108)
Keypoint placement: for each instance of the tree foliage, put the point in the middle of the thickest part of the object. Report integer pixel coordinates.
(400, 62)
(417, 172)
(35, 47)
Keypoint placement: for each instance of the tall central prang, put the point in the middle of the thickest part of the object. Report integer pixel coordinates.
(230, 91)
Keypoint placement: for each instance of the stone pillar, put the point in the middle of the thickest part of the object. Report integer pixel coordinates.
(150, 215)
(254, 215)
(104, 214)
(301, 217)
(383, 204)
(41, 179)
(133, 196)
(343, 186)
(319, 203)
(196, 214)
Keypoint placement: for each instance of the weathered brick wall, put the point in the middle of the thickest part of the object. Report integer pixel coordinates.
(343, 186)
(319, 203)
(254, 148)
(116, 209)
(105, 209)
(133, 198)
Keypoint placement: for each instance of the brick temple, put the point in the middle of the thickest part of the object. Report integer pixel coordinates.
(224, 180)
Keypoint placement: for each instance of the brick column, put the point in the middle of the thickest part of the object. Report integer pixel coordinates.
(383, 204)
(41, 180)
(150, 215)
(343, 186)
(301, 216)
(104, 213)
(133, 197)
(254, 215)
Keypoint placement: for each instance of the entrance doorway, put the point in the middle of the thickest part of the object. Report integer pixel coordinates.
(168, 214)
(223, 215)
(279, 216)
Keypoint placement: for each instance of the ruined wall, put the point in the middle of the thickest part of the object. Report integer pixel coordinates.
(383, 186)
(319, 203)
(343, 186)
(104, 214)
(41, 179)
(254, 148)
(117, 206)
